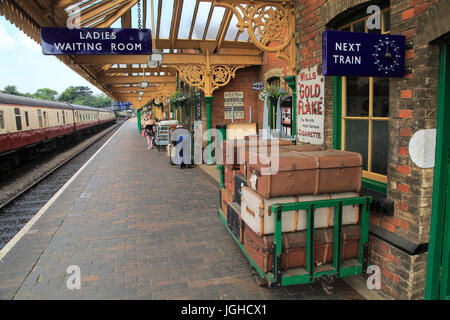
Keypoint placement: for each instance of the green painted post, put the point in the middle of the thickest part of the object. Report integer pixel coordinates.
(209, 101)
(440, 182)
(291, 83)
(222, 177)
(337, 113)
(270, 114)
(139, 121)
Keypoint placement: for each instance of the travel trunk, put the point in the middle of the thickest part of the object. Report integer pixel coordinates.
(239, 182)
(293, 255)
(255, 211)
(296, 173)
(226, 198)
(229, 179)
(239, 148)
(234, 220)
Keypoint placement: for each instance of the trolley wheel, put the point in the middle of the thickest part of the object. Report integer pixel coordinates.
(159, 147)
(260, 281)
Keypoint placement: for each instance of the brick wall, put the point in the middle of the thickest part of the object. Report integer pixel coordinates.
(413, 101)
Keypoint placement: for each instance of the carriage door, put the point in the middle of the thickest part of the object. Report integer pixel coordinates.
(438, 268)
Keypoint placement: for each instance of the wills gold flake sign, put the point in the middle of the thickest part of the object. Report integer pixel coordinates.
(310, 106)
(234, 101)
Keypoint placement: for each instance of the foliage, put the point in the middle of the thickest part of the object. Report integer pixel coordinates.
(81, 95)
(178, 98)
(273, 92)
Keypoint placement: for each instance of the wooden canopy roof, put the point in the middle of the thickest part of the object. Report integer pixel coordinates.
(190, 33)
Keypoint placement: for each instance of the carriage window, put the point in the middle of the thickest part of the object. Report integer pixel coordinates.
(57, 115)
(64, 117)
(39, 112)
(27, 120)
(2, 121)
(18, 119)
(45, 119)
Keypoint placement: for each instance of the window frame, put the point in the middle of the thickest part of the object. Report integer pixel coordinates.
(370, 180)
(18, 118)
(2, 120)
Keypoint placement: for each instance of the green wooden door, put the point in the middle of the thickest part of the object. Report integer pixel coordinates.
(438, 277)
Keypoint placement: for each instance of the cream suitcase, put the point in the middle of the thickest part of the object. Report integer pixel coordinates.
(255, 212)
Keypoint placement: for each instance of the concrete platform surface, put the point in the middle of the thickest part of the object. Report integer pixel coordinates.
(137, 228)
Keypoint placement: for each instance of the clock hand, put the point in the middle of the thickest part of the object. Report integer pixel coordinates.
(388, 54)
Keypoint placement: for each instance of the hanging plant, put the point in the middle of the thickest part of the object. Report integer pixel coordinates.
(160, 104)
(178, 99)
(273, 92)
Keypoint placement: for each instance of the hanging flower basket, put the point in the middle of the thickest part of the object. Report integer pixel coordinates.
(273, 92)
(178, 99)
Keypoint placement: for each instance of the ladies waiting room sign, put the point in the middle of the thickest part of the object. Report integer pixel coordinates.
(310, 106)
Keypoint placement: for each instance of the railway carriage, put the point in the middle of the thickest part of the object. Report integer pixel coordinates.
(26, 122)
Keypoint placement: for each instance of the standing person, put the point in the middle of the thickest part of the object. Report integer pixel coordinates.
(148, 131)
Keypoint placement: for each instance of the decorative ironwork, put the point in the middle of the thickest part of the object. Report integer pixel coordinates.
(207, 77)
(270, 26)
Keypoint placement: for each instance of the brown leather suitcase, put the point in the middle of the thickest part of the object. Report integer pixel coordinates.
(240, 147)
(226, 198)
(229, 179)
(294, 247)
(305, 173)
(340, 171)
(303, 147)
(295, 174)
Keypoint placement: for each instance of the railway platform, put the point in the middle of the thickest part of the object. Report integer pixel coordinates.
(137, 228)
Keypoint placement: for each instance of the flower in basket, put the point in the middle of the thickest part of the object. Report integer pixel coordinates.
(273, 92)
(178, 99)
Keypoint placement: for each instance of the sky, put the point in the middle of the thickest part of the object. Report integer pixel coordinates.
(22, 64)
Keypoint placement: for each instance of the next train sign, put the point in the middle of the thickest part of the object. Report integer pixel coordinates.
(62, 41)
(363, 54)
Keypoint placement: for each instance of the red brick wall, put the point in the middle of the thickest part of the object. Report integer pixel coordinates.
(242, 83)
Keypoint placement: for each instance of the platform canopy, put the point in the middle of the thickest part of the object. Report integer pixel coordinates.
(204, 42)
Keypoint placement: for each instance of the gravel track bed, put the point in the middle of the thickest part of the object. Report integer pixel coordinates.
(16, 214)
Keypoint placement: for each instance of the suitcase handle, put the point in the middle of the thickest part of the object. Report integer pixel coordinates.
(251, 212)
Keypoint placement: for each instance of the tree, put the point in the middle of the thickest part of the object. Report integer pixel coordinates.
(78, 95)
(12, 90)
(46, 94)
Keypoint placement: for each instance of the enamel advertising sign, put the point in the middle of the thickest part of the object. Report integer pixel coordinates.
(310, 106)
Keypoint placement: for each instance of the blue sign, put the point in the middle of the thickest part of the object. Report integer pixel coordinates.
(362, 54)
(59, 41)
(123, 104)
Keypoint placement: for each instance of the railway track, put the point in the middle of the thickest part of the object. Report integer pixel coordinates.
(18, 209)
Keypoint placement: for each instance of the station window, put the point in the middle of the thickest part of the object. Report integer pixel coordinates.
(39, 112)
(27, 120)
(2, 120)
(365, 112)
(274, 82)
(18, 119)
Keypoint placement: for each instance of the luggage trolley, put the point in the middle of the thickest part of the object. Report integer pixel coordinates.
(326, 273)
(162, 133)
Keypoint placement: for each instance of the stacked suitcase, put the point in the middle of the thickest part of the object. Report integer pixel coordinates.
(305, 173)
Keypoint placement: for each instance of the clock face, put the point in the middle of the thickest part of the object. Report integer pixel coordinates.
(387, 55)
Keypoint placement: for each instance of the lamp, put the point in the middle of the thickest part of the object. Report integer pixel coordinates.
(155, 59)
(144, 84)
(141, 93)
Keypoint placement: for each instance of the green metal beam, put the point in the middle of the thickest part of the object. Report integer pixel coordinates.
(291, 82)
(209, 101)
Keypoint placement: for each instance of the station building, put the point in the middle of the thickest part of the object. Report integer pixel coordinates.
(377, 117)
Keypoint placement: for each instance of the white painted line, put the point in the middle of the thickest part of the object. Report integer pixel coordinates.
(30, 223)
